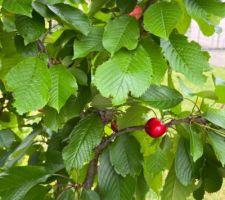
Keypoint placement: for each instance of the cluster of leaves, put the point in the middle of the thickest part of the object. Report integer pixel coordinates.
(70, 67)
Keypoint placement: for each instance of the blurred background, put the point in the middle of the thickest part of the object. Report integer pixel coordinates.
(215, 44)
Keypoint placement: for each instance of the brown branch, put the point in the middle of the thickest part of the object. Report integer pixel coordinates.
(92, 169)
(41, 47)
(187, 120)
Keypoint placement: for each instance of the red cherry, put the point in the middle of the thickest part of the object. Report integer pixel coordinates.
(114, 126)
(136, 12)
(155, 128)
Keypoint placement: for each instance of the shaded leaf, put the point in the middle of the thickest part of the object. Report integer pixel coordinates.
(216, 116)
(161, 97)
(36, 193)
(84, 137)
(90, 195)
(125, 156)
(96, 6)
(22, 7)
(141, 188)
(30, 28)
(111, 185)
(196, 145)
(126, 6)
(22, 149)
(218, 144)
(212, 179)
(19, 180)
(173, 189)
(91, 42)
(183, 164)
(72, 16)
(7, 137)
(155, 163)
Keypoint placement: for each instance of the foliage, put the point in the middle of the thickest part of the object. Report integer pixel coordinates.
(70, 68)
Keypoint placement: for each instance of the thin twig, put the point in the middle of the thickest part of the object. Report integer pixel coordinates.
(92, 169)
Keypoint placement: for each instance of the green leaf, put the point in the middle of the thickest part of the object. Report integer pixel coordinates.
(22, 149)
(214, 7)
(199, 193)
(126, 6)
(100, 102)
(30, 82)
(205, 14)
(161, 18)
(22, 7)
(206, 28)
(212, 181)
(186, 57)
(173, 189)
(134, 116)
(30, 28)
(215, 116)
(72, 16)
(80, 76)
(155, 181)
(219, 90)
(36, 193)
(8, 21)
(125, 156)
(42, 9)
(125, 72)
(155, 163)
(52, 119)
(90, 195)
(3, 156)
(185, 20)
(217, 142)
(158, 62)
(30, 50)
(84, 137)
(206, 94)
(111, 185)
(63, 86)
(67, 195)
(161, 97)
(203, 9)
(183, 164)
(10, 56)
(96, 6)
(54, 161)
(195, 10)
(17, 182)
(196, 145)
(141, 188)
(8, 62)
(91, 42)
(73, 107)
(121, 32)
(7, 137)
